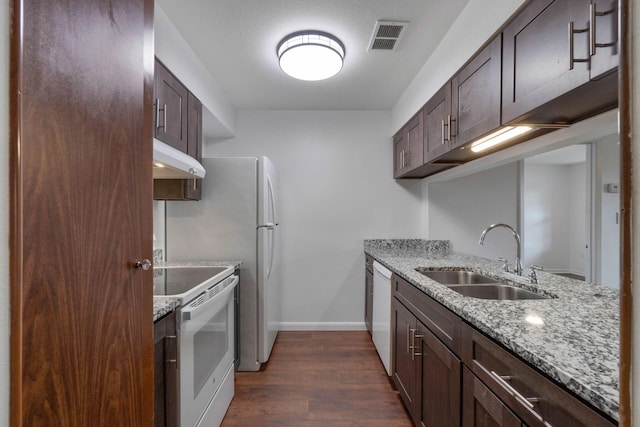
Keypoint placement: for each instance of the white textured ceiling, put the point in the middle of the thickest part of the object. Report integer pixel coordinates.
(236, 40)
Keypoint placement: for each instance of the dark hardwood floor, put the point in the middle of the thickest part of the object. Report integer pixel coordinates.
(328, 379)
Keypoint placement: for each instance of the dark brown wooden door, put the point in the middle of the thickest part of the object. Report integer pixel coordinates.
(538, 64)
(440, 376)
(476, 100)
(482, 408)
(437, 122)
(171, 109)
(605, 52)
(165, 372)
(81, 118)
(404, 366)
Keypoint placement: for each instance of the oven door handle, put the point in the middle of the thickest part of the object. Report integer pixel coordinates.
(191, 313)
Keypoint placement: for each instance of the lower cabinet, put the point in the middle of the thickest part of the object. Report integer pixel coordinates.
(368, 293)
(426, 372)
(449, 374)
(165, 372)
(483, 408)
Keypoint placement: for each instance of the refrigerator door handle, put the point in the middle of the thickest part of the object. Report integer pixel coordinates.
(268, 225)
(271, 239)
(272, 202)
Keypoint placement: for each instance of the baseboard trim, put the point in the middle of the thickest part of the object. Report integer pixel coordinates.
(322, 326)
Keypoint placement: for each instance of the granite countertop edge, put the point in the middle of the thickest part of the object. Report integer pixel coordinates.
(578, 345)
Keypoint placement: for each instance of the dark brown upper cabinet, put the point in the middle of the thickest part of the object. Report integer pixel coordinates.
(475, 95)
(465, 108)
(438, 121)
(399, 148)
(408, 147)
(171, 109)
(191, 113)
(558, 62)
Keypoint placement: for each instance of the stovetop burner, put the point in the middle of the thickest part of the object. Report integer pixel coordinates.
(179, 281)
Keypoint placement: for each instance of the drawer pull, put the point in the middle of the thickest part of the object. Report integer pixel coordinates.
(502, 380)
(408, 335)
(413, 344)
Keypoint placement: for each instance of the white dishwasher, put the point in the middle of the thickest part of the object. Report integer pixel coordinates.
(381, 319)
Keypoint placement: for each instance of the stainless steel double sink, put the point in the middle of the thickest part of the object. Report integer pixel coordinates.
(475, 285)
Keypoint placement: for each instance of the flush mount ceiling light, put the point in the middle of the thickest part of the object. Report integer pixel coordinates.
(311, 55)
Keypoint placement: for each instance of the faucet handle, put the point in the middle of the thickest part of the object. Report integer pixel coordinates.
(505, 264)
(533, 276)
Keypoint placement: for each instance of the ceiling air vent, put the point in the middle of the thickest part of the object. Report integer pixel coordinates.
(386, 35)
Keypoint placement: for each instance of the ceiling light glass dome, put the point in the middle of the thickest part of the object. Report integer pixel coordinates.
(311, 55)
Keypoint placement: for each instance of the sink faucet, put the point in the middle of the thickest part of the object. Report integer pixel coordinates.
(518, 266)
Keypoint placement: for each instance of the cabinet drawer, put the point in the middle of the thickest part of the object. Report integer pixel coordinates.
(481, 407)
(441, 321)
(534, 398)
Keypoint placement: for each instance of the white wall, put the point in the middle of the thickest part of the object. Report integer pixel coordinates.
(335, 170)
(607, 206)
(577, 224)
(461, 208)
(554, 217)
(4, 214)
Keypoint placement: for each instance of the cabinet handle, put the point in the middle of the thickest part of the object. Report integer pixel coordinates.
(192, 171)
(593, 13)
(175, 347)
(407, 154)
(447, 125)
(592, 29)
(573, 31)
(414, 353)
(157, 113)
(408, 335)
(526, 401)
(164, 123)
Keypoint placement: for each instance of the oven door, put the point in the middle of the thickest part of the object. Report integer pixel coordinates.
(206, 351)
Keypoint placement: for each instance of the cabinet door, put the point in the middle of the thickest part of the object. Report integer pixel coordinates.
(540, 60)
(400, 147)
(403, 325)
(482, 408)
(185, 189)
(368, 299)
(476, 95)
(165, 372)
(439, 373)
(415, 142)
(193, 187)
(171, 109)
(437, 122)
(606, 47)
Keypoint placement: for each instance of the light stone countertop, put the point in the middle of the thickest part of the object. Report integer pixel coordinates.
(578, 343)
(162, 305)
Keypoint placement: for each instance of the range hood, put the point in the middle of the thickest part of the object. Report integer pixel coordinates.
(170, 163)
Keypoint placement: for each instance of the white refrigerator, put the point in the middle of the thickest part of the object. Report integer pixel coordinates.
(236, 220)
